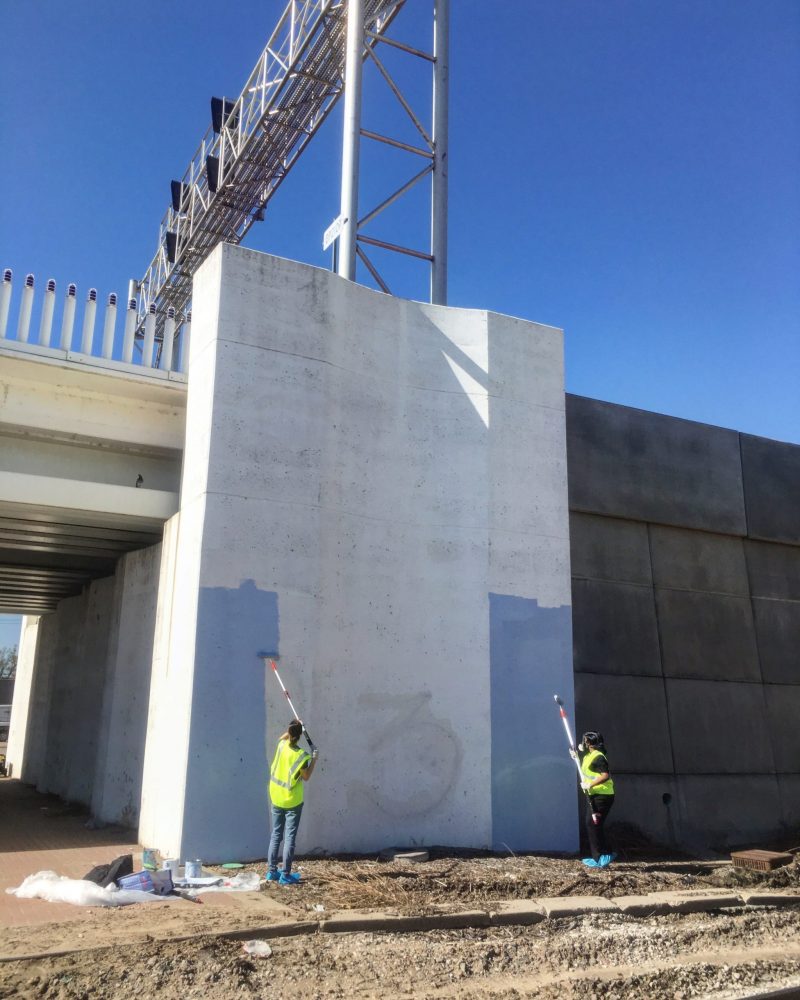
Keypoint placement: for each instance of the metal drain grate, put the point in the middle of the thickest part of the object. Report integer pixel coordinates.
(760, 861)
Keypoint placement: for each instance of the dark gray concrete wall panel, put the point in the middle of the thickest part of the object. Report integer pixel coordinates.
(614, 628)
(723, 812)
(771, 472)
(778, 637)
(631, 713)
(719, 728)
(639, 802)
(774, 570)
(698, 560)
(707, 636)
(607, 548)
(649, 467)
(783, 717)
(789, 789)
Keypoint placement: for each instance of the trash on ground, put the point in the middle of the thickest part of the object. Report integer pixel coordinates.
(242, 882)
(80, 892)
(205, 882)
(258, 949)
(107, 874)
(137, 880)
(233, 864)
(318, 907)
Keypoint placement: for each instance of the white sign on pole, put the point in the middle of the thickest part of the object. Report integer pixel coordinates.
(333, 231)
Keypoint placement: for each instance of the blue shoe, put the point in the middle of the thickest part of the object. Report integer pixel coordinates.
(605, 860)
(291, 879)
(273, 876)
(591, 863)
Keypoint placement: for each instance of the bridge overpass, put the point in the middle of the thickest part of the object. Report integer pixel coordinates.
(90, 464)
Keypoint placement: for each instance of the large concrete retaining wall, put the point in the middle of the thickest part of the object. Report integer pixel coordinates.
(685, 546)
(356, 497)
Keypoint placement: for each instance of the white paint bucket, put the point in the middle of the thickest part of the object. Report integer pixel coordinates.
(194, 869)
(171, 865)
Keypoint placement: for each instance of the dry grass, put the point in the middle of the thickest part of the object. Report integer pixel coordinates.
(371, 885)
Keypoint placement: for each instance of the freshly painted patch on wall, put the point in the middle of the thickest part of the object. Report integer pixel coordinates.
(530, 655)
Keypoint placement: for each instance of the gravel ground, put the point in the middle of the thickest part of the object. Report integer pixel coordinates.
(590, 958)
(722, 954)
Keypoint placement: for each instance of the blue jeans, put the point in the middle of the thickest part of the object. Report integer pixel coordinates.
(284, 827)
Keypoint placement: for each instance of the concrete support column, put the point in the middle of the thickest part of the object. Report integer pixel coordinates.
(355, 497)
(23, 686)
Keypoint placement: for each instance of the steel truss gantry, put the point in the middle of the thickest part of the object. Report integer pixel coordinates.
(255, 140)
(434, 149)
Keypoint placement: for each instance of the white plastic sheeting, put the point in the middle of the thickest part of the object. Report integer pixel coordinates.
(60, 889)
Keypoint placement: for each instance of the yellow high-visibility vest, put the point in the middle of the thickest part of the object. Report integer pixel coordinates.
(285, 781)
(606, 787)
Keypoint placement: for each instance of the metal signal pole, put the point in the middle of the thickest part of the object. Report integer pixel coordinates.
(351, 140)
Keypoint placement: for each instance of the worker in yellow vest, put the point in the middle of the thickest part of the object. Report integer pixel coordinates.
(291, 767)
(599, 788)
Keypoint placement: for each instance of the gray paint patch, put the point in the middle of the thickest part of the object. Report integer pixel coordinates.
(226, 800)
(533, 783)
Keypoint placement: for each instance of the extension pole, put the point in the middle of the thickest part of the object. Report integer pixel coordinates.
(273, 664)
(562, 712)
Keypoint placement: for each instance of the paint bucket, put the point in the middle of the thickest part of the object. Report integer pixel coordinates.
(149, 859)
(194, 869)
(170, 865)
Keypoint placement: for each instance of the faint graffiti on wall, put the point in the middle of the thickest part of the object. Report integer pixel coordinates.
(413, 759)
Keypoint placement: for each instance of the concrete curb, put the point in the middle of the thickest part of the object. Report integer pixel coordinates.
(511, 912)
(353, 921)
(576, 906)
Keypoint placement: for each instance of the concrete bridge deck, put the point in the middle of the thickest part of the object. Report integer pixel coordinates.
(90, 463)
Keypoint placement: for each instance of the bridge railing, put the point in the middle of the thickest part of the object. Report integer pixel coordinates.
(164, 352)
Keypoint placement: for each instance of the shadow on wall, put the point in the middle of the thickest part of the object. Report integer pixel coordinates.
(227, 756)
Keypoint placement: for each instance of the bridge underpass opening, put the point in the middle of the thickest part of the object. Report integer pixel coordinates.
(90, 463)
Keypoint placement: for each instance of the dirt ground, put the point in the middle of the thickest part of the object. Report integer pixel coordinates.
(722, 954)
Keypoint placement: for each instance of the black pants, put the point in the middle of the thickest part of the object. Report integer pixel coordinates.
(597, 806)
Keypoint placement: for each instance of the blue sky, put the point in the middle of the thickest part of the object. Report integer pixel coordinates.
(627, 170)
(9, 630)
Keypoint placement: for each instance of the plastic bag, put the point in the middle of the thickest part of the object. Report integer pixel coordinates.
(243, 882)
(60, 889)
(257, 948)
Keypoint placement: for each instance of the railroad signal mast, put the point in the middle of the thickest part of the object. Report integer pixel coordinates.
(314, 56)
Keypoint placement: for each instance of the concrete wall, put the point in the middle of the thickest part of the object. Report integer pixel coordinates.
(80, 707)
(122, 722)
(26, 658)
(355, 497)
(686, 611)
